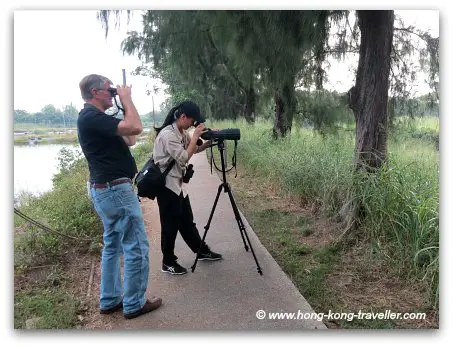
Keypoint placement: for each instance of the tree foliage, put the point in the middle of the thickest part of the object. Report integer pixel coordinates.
(229, 60)
(414, 54)
(237, 62)
(49, 115)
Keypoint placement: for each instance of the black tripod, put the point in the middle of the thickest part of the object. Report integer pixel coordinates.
(227, 189)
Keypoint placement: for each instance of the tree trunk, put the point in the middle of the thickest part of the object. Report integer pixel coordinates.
(369, 96)
(369, 101)
(250, 105)
(285, 105)
(279, 127)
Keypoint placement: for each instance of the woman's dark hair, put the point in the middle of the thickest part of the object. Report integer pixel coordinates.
(188, 107)
(169, 119)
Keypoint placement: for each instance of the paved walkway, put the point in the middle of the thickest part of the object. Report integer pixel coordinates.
(224, 294)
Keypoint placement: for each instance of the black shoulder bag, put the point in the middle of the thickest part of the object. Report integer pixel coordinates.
(150, 181)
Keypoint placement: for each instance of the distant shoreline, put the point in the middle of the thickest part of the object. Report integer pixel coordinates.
(50, 136)
(45, 136)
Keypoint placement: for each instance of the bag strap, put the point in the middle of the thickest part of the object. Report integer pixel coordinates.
(169, 167)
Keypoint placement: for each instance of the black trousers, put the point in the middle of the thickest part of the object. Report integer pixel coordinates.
(176, 214)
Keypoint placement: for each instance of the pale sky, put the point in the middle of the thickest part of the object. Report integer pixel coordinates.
(54, 50)
(340, 75)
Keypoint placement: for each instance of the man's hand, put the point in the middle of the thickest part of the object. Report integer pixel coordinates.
(131, 124)
(124, 92)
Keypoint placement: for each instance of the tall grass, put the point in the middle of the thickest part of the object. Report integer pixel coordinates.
(402, 210)
(431, 123)
(305, 164)
(425, 129)
(401, 201)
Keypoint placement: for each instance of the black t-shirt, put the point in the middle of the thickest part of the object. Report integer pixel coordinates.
(107, 154)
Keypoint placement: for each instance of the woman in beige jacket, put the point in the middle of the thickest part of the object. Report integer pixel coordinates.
(173, 142)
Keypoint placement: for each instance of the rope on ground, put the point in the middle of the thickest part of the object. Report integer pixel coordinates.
(45, 228)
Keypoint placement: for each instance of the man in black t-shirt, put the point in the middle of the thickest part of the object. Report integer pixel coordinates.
(105, 142)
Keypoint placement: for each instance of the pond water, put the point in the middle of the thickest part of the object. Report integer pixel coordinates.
(34, 167)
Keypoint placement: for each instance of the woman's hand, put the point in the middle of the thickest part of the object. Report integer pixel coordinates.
(199, 130)
(192, 148)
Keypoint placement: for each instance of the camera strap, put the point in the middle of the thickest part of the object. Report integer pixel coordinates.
(118, 108)
(212, 159)
(233, 160)
(169, 167)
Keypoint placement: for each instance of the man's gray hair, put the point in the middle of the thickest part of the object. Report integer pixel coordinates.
(92, 81)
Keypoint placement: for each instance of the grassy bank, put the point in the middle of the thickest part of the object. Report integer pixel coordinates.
(292, 189)
(40, 257)
(56, 138)
(47, 302)
(48, 139)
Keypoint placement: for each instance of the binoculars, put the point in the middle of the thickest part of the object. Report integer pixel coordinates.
(189, 173)
(224, 134)
(113, 92)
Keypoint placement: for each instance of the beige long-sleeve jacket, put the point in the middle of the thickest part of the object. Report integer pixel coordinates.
(171, 144)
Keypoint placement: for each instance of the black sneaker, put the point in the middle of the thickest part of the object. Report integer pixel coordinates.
(210, 255)
(174, 269)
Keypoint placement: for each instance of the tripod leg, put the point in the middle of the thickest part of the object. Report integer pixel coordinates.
(242, 228)
(238, 217)
(207, 226)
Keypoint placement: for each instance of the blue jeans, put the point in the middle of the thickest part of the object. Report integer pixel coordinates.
(124, 232)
